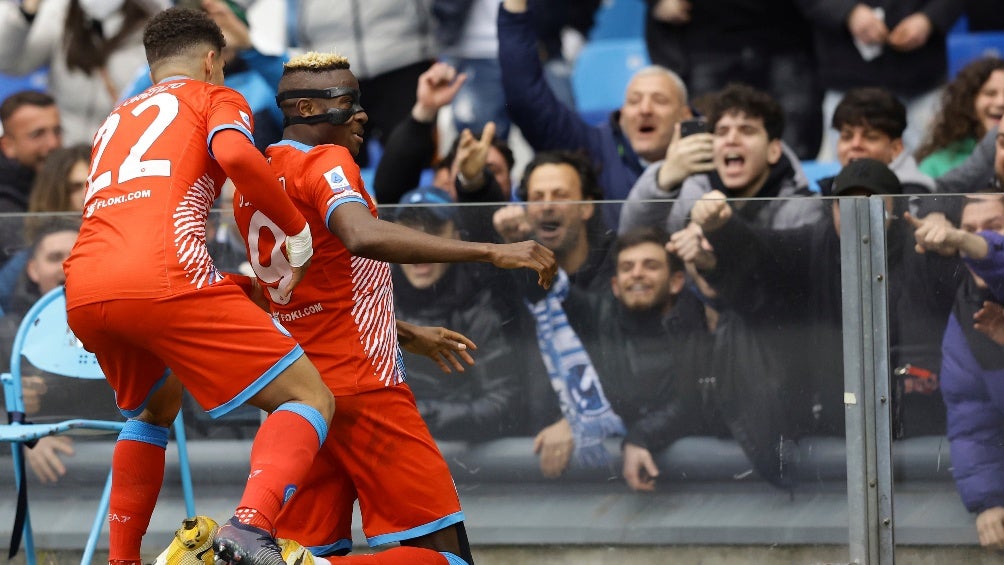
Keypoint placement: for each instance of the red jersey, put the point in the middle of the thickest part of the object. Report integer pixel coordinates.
(342, 312)
(151, 186)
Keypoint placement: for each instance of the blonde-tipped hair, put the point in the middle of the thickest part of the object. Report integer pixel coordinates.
(316, 62)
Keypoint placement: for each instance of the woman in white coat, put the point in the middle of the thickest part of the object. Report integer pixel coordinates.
(93, 49)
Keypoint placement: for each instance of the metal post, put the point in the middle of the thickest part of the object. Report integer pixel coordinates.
(866, 352)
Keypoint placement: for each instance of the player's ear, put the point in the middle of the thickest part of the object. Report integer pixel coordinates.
(209, 62)
(305, 107)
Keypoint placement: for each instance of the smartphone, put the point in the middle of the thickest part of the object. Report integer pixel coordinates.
(692, 126)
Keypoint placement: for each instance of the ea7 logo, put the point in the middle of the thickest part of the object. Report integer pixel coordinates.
(118, 518)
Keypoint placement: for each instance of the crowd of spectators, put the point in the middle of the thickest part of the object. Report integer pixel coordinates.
(699, 291)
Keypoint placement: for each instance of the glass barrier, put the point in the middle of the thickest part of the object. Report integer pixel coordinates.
(642, 400)
(943, 352)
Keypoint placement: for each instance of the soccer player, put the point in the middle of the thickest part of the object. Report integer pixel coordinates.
(142, 292)
(379, 449)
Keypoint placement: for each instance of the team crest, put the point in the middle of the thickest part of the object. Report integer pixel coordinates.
(246, 118)
(336, 179)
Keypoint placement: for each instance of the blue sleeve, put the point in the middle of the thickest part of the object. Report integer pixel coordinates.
(545, 121)
(139, 84)
(991, 267)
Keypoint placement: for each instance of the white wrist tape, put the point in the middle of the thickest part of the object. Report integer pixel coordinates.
(299, 247)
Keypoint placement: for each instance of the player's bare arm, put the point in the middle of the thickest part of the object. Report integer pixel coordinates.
(366, 236)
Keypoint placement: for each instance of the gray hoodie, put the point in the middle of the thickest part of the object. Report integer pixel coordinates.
(907, 171)
(647, 204)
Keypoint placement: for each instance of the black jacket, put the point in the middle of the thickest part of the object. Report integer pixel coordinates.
(841, 66)
(15, 186)
(729, 26)
(648, 364)
(788, 283)
(484, 402)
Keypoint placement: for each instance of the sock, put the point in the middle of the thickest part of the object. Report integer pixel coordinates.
(137, 474)
(281, 454)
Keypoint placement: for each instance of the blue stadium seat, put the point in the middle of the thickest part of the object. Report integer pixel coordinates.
(619, 19)
(816, 170)
(961, 25)
(9, 84)
(602, 72)
(44, 339)
(966, 47)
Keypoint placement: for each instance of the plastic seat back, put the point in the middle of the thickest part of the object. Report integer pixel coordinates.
(619, 19)
(602, 73)
(46, 341)
(964, 48)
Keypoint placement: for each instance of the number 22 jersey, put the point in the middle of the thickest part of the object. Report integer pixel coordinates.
(151, 186)
(342, 312)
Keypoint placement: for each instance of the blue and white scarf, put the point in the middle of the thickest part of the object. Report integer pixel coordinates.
(574, 378)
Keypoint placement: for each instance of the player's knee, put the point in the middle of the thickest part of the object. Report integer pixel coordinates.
(321, 399)
(325, 404)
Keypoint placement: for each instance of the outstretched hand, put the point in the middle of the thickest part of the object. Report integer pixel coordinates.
(529, 254)
(933, 233)
(446, 347)
(989, 321)
(940, 236)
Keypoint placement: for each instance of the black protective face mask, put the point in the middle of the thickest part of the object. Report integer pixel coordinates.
(333, 116)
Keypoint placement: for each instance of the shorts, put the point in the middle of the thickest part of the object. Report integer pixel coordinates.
(378, 450)
(222, 347)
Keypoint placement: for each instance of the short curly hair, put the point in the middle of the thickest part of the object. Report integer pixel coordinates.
(176, 31)
(957, 119)
(736, 97)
